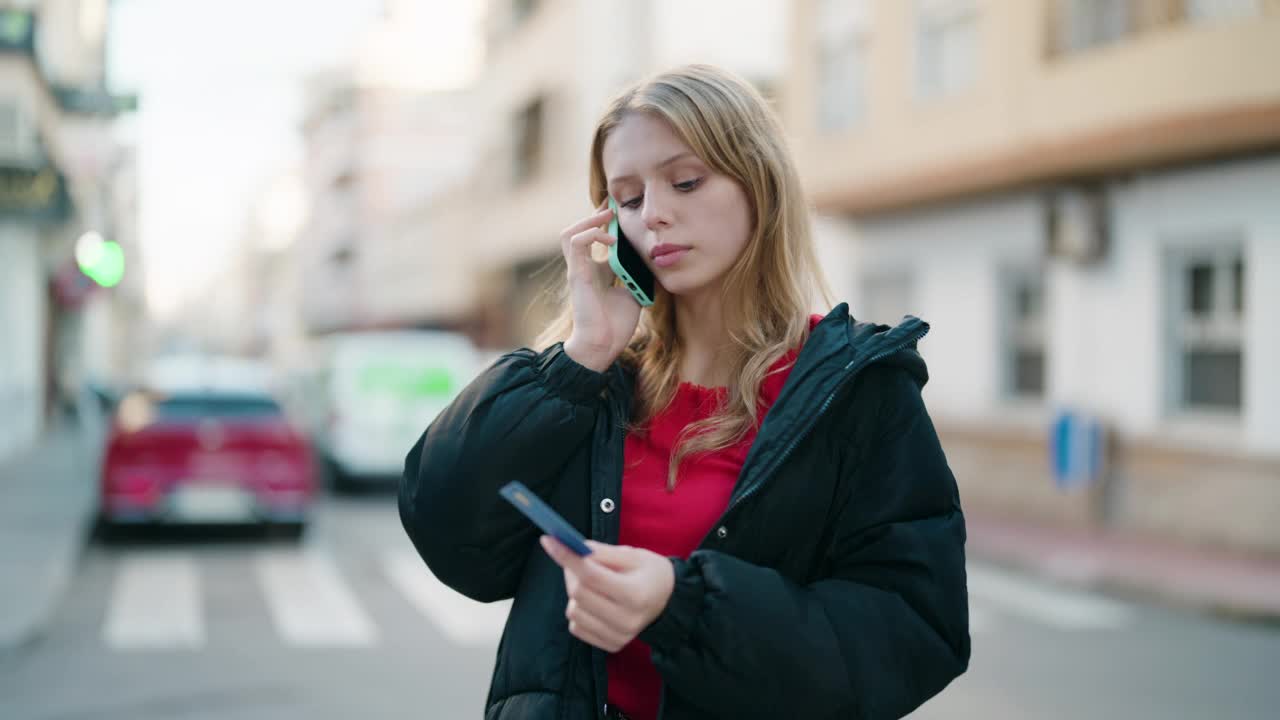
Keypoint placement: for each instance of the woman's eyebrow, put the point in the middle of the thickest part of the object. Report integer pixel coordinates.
(678, 156)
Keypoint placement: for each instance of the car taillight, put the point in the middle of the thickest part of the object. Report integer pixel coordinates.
(131, 483)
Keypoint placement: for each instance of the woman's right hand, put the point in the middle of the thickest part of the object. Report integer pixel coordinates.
(604, 315)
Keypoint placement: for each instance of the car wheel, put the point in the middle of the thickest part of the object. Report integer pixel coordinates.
(106, 531)
(338, 480)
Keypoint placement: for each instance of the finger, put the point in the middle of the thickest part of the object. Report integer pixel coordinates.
(562, 555)
(578, 253)
(592, 574)
(583, 241)
(594, 220)
(586, 599)
(616, 557)
(554, 550)
(581, 256)
(593, 640)
(593, 630)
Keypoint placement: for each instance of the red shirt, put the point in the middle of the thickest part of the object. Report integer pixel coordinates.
(674, 523)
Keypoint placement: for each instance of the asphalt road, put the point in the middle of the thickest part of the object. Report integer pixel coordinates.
(348, 624)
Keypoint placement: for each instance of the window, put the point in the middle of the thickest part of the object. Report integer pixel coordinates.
(10, 123)
(1208, 312)
(522, 10)
(1025, 334)
(887, 296)
(844, 28)
(194, 407)
(946, 46)
(1208, 10)
(1082, 24)
(528, 141)
(17, 134)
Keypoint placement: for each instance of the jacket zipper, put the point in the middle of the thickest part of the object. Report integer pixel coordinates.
(911, 338)
(618, 411)
(813, 420)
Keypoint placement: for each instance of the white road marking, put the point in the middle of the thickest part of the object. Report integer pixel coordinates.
(465, 622)
(1034, 600)
(981, 619)
(310, 603)
(155, 604)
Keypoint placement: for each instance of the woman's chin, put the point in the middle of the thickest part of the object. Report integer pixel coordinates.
(680, 287)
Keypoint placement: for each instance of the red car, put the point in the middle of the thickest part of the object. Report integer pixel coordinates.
(204, 456)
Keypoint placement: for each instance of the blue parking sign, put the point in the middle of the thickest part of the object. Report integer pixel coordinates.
(1076, 449)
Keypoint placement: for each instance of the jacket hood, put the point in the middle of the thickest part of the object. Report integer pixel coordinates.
(840, 338)
(836, 343)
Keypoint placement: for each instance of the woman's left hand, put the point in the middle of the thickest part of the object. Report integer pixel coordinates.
(614, 593)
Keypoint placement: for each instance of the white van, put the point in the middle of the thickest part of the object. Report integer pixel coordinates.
(373, 393)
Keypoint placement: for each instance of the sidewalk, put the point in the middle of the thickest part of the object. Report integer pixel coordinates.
(47, 495)
(1201, 579)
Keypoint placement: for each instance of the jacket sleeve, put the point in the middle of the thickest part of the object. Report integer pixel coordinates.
(520, 419)
(886, 627)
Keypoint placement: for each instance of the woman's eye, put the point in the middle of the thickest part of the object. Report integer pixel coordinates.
(688, 185)
(633, 203)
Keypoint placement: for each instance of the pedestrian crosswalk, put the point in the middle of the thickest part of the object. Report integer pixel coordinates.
(310, 604)
(157, 601)
(462, 620)
(156, 604)
(1055, 607)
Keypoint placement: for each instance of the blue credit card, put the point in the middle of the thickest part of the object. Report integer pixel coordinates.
(544, 517)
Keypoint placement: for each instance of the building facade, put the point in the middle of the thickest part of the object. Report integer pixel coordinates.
(550, 68)
(58, 166)
(375, 157)
(1081, 197)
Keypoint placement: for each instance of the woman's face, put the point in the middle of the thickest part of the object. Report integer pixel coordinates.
(688, 223)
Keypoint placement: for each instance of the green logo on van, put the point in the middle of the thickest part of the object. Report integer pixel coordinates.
(433, 382)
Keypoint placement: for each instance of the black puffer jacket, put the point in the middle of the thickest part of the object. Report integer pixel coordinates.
(832, 587)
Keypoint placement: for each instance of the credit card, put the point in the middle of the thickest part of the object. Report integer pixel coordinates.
(544, 517)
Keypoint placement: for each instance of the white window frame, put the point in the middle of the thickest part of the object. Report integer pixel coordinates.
(844, 37)
(1023, 333)
(1222, 329)
(947, 47)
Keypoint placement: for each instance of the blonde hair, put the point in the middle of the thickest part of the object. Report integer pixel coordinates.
(768, 292)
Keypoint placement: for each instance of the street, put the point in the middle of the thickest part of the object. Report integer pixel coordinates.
(350, 624)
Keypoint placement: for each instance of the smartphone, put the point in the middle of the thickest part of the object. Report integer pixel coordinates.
(544, 517)
(627, 264)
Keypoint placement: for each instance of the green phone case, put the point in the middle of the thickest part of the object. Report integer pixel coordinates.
(616, 264)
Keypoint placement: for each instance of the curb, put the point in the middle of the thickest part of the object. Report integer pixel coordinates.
(47, 526)
(26, 632)
(1224, 585)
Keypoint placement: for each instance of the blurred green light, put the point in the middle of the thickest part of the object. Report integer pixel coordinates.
(407, 382)
(105, 265)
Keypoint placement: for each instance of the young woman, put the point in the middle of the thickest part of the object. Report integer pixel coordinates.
(776, 532)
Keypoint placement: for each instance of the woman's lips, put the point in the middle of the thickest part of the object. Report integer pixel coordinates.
(667, 255)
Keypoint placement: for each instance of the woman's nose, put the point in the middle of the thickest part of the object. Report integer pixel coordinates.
(656, 211)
